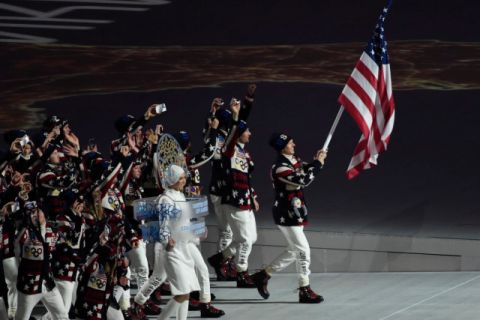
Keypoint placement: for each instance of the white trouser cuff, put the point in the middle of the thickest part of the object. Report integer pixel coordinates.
(303, 281)
(205, 298)
(124, 303)
(140, 298)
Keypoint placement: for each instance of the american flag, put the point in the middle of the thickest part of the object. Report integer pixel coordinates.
(368, 98)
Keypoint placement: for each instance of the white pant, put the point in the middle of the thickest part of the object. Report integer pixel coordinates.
(244, 230)
(201, 270)
(75, 287)
(52, 300)
(158, 276)
(112, 313)
(139, 263)
(66, 292)
(3, 309)
(121, 295)
(10, 268)
(298, 250)
(224, 231)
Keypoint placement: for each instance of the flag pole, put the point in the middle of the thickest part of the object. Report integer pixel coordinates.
(332, 129)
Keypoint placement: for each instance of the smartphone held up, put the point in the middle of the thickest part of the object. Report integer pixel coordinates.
(160, 108)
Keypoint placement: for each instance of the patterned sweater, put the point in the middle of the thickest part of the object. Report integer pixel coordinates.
(196, 161)
(71, 235)
(35, 248)
(290, 176)
(238, 165)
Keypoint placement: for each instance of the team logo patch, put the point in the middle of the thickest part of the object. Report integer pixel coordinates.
(98, 281)
(33, 252)
(296, 203)
(299, 209)
(240, 164)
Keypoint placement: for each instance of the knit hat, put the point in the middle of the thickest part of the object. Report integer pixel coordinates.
(89, 159)
(64, 123)
(72, 195)
(279, 140)
(51, 122)
(241, 127)
(224, 117)
(234, 101)
(29, 207)
(172, 174)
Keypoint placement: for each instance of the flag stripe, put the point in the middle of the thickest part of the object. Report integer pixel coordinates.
(355, 113)
(366, 95)
(368, 68)
(368, 98)
(365, 84)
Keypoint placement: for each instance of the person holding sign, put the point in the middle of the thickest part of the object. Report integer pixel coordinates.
(179, 263)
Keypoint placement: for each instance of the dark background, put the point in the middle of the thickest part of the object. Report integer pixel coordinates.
(427, 182)
(250, 22)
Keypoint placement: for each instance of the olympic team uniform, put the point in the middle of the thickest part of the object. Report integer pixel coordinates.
(35, 281)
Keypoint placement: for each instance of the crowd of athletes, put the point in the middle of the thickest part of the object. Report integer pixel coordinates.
(68, 234)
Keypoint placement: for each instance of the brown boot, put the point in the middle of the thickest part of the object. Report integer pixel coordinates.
(231, 269)
(209, 311)
(244, 280)
(151, 309)
(261, 281)
(196, 295)
(136, 312)
(217, 261)
(307, 295)
(193, 304)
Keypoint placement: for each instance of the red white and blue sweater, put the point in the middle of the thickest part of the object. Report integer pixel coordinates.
(290, 176)
(71, 236)
(238, 166)
(35, 248)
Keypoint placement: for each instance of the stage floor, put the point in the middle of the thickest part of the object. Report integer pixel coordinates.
(354, 296)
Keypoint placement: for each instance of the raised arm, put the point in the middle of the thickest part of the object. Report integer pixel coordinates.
(304, 177)
(247, 104)
(232, 137)
(208, 150)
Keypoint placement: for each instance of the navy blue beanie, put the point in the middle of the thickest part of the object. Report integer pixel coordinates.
(51, 122)
(242, 127)
(224, 117)
(278, 141)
